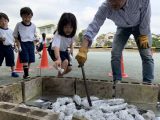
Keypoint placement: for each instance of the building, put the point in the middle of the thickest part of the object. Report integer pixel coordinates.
(109, 36)
(48, 29)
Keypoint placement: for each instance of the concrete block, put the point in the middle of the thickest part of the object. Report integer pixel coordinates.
(79, 118)
(32, 88)
(11, 93)
(6, 106)
(58, 86)
(102, 89)
(40, 114)
(9, 111)
(138, 93)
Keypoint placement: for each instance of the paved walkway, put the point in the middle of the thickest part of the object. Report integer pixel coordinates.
(97, 67)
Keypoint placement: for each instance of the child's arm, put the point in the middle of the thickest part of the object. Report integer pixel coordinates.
(2, 38)
(71, 49)
(57, 56)
(17, 44)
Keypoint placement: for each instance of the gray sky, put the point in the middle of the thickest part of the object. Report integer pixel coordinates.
(49, 11)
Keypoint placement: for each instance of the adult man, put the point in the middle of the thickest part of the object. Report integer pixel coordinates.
(130, 17)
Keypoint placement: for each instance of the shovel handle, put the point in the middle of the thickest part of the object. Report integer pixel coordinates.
(86, 87)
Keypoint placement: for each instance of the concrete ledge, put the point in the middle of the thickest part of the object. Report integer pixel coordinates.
(102, 89)
(9, 111)
(32, 88)
(58, 86)
(11, 93)
(138, 92)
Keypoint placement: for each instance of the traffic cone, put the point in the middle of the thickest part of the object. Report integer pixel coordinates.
(124, 75)
(44, 59)
(19, 66)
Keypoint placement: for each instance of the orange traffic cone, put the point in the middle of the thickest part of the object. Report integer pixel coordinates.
(44, 59)
(124, 75)
(19, 66)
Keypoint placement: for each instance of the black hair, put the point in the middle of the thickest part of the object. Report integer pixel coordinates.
(43, 35)
(26, 11)
(67, 18)
(3, 15)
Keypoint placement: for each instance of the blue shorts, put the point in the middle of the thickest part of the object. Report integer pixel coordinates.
(7, 53)
(64, 55)
(27, 54)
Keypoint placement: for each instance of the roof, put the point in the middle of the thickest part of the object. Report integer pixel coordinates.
(45, 26)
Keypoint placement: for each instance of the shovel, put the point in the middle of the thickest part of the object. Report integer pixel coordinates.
(85, 85)
(114, 89)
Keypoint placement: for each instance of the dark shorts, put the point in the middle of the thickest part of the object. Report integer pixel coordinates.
(7, 53)
(39, 47)
(27, 54)
(63, 55)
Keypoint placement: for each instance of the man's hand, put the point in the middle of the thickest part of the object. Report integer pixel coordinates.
(143, 41)
(82, 55)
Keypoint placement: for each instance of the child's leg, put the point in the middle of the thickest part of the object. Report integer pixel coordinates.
(63, 66)
(30, 58)
(25, 69)
(12, 68)
(13, 73)
(39, 55)
(9, 57)
(69, 69)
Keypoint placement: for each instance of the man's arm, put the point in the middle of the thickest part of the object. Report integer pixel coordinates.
(145, 18)
(103, 12)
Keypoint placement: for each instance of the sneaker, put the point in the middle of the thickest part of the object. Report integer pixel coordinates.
(147, 82)
(117, 81)
(14, 74)
(26, 77)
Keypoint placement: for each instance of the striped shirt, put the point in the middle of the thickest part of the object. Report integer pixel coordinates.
(134, 12)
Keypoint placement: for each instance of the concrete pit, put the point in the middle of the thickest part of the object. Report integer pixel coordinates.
(49, 88)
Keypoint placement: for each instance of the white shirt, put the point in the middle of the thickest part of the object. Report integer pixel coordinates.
(41, 41)
(27, 32)
(61, 42)
(8, 35)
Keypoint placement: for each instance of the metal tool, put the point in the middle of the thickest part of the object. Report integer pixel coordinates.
(114, 89)
(85, 84)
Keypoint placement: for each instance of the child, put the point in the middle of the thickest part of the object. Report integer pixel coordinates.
(63, 39)
(6, 43)
(39, 46)
(24, 34)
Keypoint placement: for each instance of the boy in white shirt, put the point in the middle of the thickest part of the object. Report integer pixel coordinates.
(24, 34)
(6, 43)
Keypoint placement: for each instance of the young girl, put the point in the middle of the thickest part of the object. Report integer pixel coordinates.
(63, 38)
(39, 45)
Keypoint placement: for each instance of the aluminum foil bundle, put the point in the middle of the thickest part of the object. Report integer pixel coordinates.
(64, 100)
(124, 115)
(77, 99)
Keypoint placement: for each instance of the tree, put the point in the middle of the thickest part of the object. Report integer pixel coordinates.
(79, 38)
